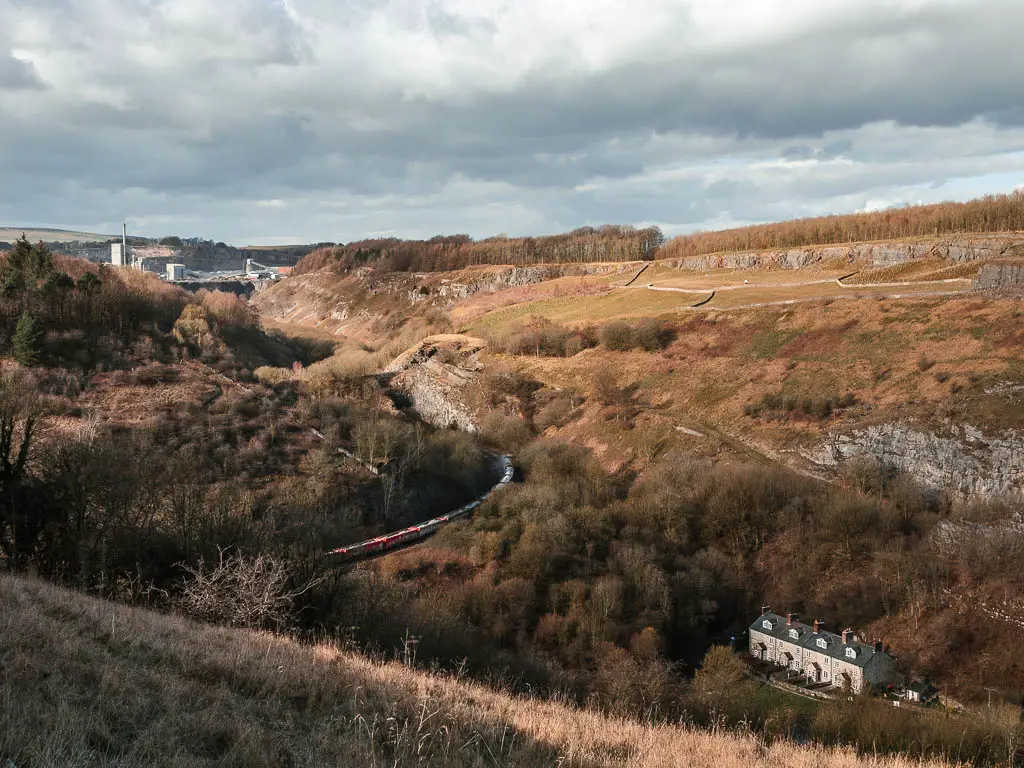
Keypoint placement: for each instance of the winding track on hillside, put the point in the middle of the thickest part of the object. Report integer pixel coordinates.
(380, 545)
(702, 305)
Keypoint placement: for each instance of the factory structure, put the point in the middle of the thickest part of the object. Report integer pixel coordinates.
(163, 260)
(119, 254)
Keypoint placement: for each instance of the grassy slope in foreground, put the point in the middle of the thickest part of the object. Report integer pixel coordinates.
(86, 682)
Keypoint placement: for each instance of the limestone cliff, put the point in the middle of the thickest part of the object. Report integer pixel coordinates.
(433, 376)
(963, 460)
(953, 248)
(1000, 274)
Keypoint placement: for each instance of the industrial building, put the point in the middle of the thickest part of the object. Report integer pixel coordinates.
(120, 256)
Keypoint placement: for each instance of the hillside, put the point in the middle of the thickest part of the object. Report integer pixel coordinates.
(883, 370)
(34, 234)
(86, 682)
(954, 221)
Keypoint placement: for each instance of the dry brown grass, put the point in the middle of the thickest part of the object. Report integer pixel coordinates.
(743, 297)
(10, 234)
(920, 270)
(722, 361)
(85, 682)
(563, 287)
(662, 275)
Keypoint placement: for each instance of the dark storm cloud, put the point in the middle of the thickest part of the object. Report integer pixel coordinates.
(18, 75)
(334, 120)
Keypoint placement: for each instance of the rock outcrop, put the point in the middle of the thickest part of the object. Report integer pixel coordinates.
(952, 248)
(498, 279)
(432, 376)
(1001, 274)
(964, 461)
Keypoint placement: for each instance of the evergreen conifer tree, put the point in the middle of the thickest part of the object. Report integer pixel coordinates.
(27, 340)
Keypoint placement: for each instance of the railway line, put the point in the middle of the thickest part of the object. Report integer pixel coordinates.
(389, 541)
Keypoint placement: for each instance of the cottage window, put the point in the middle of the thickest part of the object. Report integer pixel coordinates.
(851, 653)
(794, 634)
(766, 624)
(822, 643)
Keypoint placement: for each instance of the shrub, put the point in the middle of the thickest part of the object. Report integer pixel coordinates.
(271, 376)
(240, 592)
(823, 409)
(554, 414)
(652, 335)
(194, 329)
(775, 405)
(574, 345)
(229, 311)
(505, 432)
(617, 336)
(604, 387)
(543, 337)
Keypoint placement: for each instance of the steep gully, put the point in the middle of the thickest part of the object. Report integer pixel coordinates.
(387, 542)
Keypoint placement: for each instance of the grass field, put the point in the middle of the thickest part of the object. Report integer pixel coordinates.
(920, 270)
(625, 302)
(641, 301)
(746, 296)
(86, 682)
(669, 277)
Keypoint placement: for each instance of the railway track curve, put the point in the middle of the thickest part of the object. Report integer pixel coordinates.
(389, 541)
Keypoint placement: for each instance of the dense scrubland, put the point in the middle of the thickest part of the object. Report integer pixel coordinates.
(994, 213)
(137, 444)
(610, 588)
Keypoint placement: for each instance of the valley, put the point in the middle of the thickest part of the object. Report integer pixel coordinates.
(830, 430)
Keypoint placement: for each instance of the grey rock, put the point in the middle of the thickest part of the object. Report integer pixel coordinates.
(1000, 274)
(964, 461)
(956, 248)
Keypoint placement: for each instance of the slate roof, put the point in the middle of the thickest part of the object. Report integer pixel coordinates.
(922, 688)
(808, 639)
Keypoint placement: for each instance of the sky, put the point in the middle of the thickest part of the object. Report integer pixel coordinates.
(284, 121)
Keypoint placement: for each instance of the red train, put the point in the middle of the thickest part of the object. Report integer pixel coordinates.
(390, 541)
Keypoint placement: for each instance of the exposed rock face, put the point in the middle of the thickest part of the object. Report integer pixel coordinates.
(965, 462)
(953, 248)
(432, 375)
(1000, 274)
(435, 399)
(511, 277)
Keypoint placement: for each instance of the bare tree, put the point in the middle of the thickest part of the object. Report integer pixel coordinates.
(20, 408)
(242, 592)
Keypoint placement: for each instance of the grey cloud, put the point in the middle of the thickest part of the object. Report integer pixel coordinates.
(16, 74)
(240, 101)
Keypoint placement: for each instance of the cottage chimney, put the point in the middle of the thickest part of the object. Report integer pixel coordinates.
(846, 635)
(765, 609)
(817, 625)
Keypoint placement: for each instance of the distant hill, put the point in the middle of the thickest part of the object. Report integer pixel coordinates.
(10, 234)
